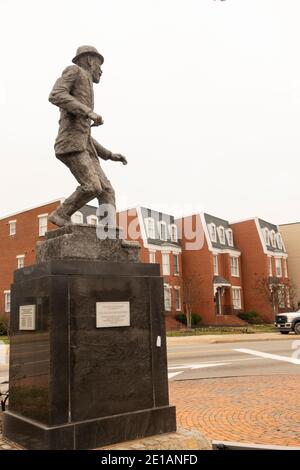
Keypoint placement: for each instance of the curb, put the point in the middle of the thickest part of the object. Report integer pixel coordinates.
(218, 339)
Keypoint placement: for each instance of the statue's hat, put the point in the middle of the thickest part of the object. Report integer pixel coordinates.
(82, 50)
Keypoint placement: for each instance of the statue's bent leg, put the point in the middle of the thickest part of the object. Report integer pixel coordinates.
(107, 198)
(82, 168)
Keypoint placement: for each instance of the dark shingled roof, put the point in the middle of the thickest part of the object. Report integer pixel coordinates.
(210, 219)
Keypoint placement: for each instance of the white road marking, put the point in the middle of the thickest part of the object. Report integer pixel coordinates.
(173, 374)
(199, 366)
(275, 357)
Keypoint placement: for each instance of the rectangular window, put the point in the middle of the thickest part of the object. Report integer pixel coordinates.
(7, 301)
(176, 264)
(236, 299)
(150, 224)
(168, 298)
(43, 224)
(166, 264)
(12, 227)
(20, 261)
(163, 231)
(270, 267)
(234, 266)
(213, 232)
(286, 274)
(216, 267)
(278, 267)
(151, 256)
(177, 298)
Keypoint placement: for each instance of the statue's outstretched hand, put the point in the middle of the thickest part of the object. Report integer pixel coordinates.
(117, 157)
(98, 121)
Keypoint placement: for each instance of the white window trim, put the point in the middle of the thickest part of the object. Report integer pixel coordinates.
(237, 266)
(20, 257)
(178, 264)
(221, 229)
(160, 223)
(213, 239)
(42, 231)
(273, 238)
(285, 268)
(147, 220)
(279, 241)
(92, 217)
(228, 233)
(169, 288)
(270, 266)
(177, 288)
(164, 256)
(174, 239)
(267, 236)
(278, 275)
(238, 289)
(6, 309)
(215, 256)
(12, 223)
(153, 253)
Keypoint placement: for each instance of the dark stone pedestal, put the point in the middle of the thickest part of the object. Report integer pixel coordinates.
(76, 386)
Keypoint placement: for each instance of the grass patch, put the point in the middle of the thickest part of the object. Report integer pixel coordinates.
(4, 339)
(224, 330)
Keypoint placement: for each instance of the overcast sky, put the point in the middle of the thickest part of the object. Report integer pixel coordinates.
(202, 96)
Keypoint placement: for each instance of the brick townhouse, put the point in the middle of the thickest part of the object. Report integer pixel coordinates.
(157, 234)
(291, 238)
(19, 233)
(211, 264)
(266, 282)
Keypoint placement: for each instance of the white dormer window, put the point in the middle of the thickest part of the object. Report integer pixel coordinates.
(77, 218)
(273, 239)
(267, 236)
(163, 231)
(213, 232)
(150, 227)
(174, 234)
(12, 227)
(221, 232)
(92, 220)
(230, 237)
(279, 241)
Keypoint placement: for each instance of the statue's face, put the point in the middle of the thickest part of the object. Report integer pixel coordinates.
(96, 71)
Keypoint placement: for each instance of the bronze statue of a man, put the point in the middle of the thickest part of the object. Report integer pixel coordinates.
(74, 145)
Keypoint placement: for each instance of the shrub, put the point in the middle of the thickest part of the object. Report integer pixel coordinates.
(196, 319)
(251, 317)
(4, 325)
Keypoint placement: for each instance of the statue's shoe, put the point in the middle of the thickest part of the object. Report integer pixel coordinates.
(59, 220)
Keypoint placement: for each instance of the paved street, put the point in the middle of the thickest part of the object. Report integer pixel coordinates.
(192, 361)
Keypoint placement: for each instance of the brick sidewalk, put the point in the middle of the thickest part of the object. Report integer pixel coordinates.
(260, 410)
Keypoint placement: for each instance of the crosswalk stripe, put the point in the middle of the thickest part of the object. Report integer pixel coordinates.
(275, 357)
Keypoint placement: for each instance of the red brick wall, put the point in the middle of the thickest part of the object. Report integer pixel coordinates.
(255, 267)
(131, 217)
(23, 243)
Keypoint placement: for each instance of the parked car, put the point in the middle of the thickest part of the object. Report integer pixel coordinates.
(286, 322)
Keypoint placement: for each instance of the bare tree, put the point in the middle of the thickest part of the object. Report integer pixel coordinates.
(190, 296)
(279, 293)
